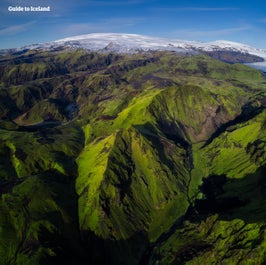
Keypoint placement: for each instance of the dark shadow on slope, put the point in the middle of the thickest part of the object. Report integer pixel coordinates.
(170, 133)
(234, 198)
(101, 251)
(190, 251)
(212, 188)
(8, 174)
(165, 145)
(64, 253)
(173, 130)
(64, 239)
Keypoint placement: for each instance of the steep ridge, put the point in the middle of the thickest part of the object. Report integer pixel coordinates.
(131, 159)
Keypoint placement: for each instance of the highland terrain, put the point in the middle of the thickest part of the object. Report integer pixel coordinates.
(154, 157)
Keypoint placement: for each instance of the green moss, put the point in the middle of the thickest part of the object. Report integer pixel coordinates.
(92, 164)
(135, 113)
(231, 157)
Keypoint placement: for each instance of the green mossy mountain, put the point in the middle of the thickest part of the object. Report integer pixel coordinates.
(151, 158)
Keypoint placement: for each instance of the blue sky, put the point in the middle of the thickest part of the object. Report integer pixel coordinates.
(234, 20)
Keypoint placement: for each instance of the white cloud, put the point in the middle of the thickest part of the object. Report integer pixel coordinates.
(15, 29)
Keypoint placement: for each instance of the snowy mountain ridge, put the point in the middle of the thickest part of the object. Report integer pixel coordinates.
(134, 42)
